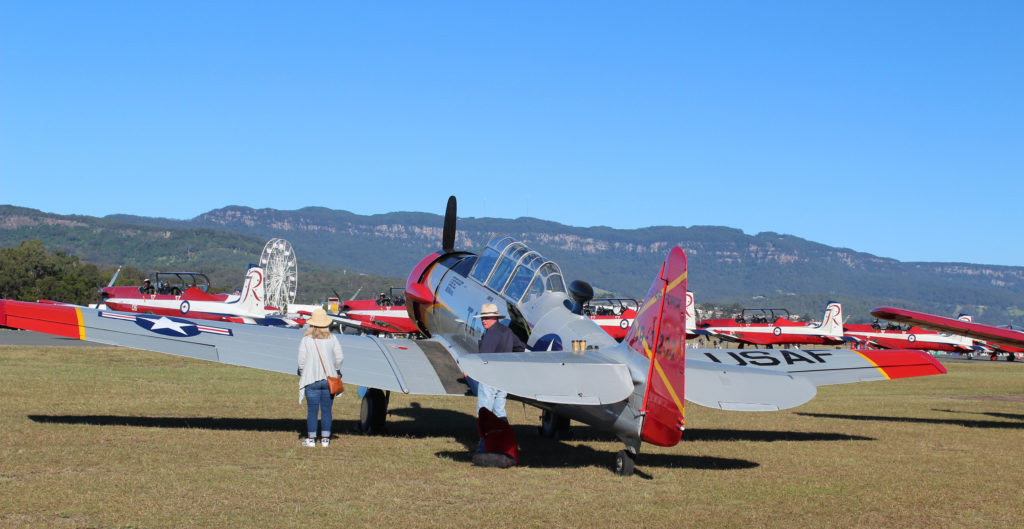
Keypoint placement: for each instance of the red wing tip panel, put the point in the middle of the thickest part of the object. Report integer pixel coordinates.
(896, 363)
(60, 320)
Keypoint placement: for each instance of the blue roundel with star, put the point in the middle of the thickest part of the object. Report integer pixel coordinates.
(167, 325)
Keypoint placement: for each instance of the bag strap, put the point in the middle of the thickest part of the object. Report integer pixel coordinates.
(326, 374)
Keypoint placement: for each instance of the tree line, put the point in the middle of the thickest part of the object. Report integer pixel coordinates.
(29, 272)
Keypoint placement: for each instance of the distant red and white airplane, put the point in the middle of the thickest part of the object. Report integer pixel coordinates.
(614, 315)
(187, 294)
(893, 337)
(779, 330)
(1010, 341)
(385, 315)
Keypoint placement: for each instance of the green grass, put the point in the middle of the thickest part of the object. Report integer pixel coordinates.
(106, 437)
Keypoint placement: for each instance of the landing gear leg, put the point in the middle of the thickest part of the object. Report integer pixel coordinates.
(373, 412)
(553, 425)
(624, 463)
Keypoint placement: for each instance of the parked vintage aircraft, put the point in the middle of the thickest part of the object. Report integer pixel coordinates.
(386, 314)
(895, 337)
(1007, 340)
(615, 315)
(187, 294)
(766, 327)
(634, 389)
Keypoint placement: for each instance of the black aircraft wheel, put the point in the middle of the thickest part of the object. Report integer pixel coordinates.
(624, 463)
(553, 425)
(373, 412)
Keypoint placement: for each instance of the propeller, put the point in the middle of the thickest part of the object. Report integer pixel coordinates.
(448, 235)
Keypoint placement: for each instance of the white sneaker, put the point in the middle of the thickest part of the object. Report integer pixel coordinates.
(309, 442)
(325, 441)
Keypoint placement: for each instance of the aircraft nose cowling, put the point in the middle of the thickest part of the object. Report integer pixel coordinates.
(416, 290)
(419, 293)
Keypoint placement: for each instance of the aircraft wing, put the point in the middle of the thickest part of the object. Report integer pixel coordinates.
(724, 336)
(742, 388)
(824, 367)
(410, 366)
(751, 338)
(978, 331)
(560, 377)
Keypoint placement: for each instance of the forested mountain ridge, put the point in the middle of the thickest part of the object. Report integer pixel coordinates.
(726, 265)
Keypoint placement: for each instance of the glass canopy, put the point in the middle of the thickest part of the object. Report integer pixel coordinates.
(513, 270)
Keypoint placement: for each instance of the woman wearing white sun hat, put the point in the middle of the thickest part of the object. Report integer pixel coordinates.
(318, 349)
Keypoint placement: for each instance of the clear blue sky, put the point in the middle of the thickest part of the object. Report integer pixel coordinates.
(895, 128)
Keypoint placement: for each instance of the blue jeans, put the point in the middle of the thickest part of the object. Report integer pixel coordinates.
(318, 397)
(492, 399)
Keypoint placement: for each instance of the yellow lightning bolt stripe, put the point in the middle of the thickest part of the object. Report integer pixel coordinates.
(664, 378)
(656, 297)
(880, 370)
(81, 324)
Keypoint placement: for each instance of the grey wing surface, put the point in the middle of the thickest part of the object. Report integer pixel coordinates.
(823, 367)
(741, 388)
(409, 366)
(556, 377)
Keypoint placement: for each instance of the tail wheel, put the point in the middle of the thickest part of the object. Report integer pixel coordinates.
(373, 412)
(624, 463)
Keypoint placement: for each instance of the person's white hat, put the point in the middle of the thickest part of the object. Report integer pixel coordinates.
(489, 310)
(319, 319)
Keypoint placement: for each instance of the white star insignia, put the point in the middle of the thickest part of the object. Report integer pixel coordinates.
(167, 323)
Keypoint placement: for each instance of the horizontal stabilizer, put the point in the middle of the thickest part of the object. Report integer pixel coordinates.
(823, 367)
(738, 388)
(558, 377)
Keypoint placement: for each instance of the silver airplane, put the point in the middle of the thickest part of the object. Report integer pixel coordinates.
(635, 389)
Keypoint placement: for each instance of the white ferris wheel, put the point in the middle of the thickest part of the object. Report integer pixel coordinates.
(281, 272)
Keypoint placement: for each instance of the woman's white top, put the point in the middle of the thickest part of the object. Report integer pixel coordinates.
(310, 369)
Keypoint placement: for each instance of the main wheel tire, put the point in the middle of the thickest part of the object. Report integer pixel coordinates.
(554, 426)
(373, 412)
(624, 463)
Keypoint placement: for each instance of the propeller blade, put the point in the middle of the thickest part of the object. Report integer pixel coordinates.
(448, 235)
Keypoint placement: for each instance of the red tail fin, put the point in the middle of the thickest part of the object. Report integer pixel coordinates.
(659, 333)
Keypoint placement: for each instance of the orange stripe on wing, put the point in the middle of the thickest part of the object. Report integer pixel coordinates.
(81, 324)
(872, 362)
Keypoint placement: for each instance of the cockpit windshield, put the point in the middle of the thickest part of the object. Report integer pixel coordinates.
(519, 274)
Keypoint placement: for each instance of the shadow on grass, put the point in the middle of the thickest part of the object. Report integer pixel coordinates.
(560, 455)
(296, 425)
(952, 422)
(768, 436)
(424, 422)
(1011, 416)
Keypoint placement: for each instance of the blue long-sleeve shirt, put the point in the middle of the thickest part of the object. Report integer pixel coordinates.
(500, 339)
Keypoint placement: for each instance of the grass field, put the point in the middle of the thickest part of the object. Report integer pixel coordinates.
(109, 437)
